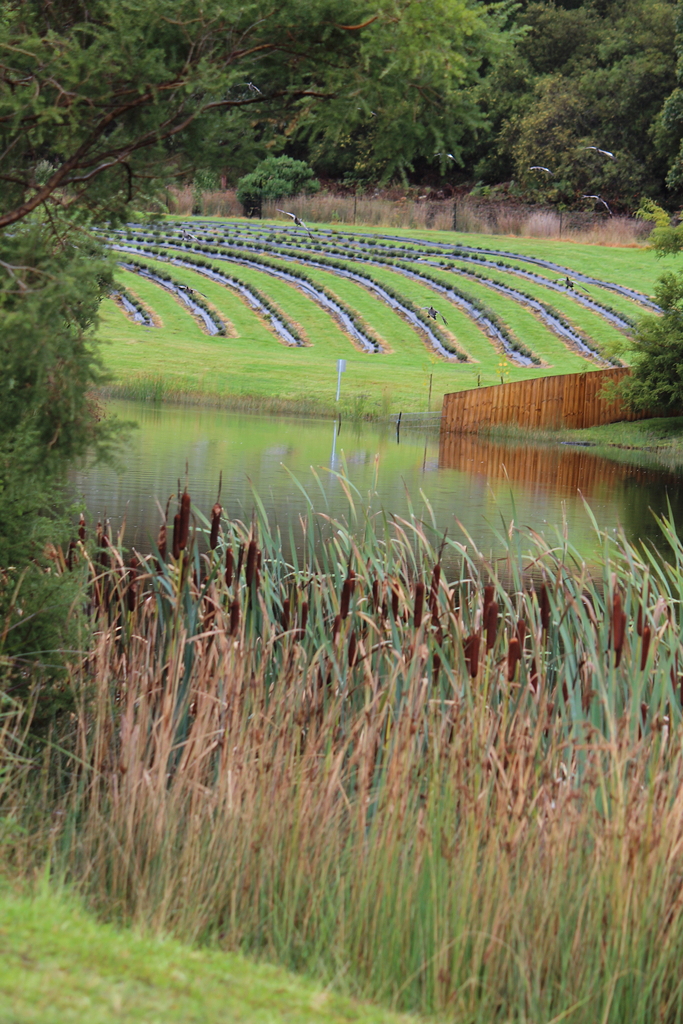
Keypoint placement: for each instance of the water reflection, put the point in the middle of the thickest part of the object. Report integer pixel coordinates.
(458, 479)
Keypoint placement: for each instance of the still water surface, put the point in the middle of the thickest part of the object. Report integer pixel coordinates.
(481, 485)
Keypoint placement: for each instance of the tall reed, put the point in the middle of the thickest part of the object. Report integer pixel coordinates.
(428, 779)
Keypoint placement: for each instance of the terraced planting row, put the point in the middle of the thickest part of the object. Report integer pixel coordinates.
(406, 313)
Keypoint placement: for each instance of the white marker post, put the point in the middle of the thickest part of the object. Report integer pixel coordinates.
(341, 367)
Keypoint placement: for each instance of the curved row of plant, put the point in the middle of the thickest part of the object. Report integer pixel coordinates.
(431, 246)
(438, 339)
(286, 330)
(615, 317)
(132, 306)
(214, 325)
(551, 317)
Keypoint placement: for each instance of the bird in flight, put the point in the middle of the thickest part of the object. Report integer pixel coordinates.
(254, 88)
(433, 313)
(538, 167)
(599, 199)
(449, 155)
(299, 223)
(602, 152)
(187, 237)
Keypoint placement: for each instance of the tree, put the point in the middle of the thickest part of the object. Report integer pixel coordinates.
(274, 178)
(656, 379)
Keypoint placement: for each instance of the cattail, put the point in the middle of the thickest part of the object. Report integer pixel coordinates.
(184, 520)
(521, 633)
(394, 602)
(285, 615)
(176, 536)
(352, 649)
(544, 604)
(646, 647)
(347, 590)
(132, 586)
(375, 594)
(70, 555)
(234, 616)
(618, 626)
(491, 624)
(161, 542)
(229, 566)
(81, 528)
(303, 619)
(514, 654)
(436, 665)
(639, 621)
(251, 562)
(336, 626)
(419, 604)
(472, 654)
(489, 592)
(215, 526)
(240, 559)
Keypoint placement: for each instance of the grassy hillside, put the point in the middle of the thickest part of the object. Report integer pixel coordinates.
(60, 966)
(249, 366)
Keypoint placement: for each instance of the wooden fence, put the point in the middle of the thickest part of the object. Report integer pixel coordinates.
(569, 400)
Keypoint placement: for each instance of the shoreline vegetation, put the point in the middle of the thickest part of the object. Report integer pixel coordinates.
(477, 766)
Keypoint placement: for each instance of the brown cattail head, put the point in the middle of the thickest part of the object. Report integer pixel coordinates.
(419, 604)
(251, 562)
(489, 592)
(375, 594)
(176, 536)
(132, 585)
(646, 647)
(491, 624)
(215, 526)
(162, 542)
(618, 626)
(81, 528)
(234, 616)
(70, 555)
(336, 626)
(104, 544)
(285, 615)
(184, 520)
(353, 645)
(521, 633)
(544, 605)
(394, 602)
(347, 590)
(514, 654)
(472, 644)
(229, 566)
(303, 619)
(639, 621)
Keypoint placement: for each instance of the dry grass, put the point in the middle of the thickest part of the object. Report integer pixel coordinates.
(467, 215)
(352, 764)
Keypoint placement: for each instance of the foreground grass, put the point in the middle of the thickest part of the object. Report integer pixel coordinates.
(58, 965)
(445, 784)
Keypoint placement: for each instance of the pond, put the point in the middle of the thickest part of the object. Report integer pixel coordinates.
(480, 485)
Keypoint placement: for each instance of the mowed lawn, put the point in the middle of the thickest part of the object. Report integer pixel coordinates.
(253, 368)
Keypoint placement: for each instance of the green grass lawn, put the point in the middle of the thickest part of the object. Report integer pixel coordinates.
(252, 368)
(58, 965)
